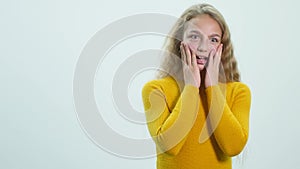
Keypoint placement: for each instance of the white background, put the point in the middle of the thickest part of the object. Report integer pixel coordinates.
(40, 42)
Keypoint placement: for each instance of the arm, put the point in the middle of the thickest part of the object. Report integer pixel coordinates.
(169, 128)
(231, 127)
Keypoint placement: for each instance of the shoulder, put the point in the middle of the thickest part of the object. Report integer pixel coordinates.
(238, 86)
(238, 89)
(161, 84)
(165, 87)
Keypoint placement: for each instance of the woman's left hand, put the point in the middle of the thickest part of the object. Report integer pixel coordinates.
(212, 70)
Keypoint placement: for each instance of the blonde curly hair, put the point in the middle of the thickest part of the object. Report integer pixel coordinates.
(172, 65)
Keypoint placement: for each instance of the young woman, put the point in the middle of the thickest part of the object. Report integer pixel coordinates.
(198, 110)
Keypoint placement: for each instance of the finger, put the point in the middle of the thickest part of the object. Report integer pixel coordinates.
(211, 58)
(218, 55)
(193, 57)
(188, 54)
(182, 51)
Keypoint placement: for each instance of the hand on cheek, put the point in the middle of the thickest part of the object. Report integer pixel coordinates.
(191, 72)
(212, 69)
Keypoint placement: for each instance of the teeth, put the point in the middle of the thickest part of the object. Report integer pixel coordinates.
(201, 57)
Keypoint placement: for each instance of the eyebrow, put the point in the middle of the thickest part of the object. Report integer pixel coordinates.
(198, 32)
(215, 34)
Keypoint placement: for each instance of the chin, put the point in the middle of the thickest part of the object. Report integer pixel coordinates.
(201, 67)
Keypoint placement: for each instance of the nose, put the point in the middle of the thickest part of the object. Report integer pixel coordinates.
(203, 46)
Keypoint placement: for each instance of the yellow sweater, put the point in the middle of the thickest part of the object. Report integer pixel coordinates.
(176, 129)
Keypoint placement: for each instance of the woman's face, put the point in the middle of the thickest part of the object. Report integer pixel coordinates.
(203, 34)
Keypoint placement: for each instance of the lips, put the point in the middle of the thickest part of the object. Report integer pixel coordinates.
(201, 60)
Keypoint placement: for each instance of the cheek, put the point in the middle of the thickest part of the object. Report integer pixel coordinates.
(215, 47)
(193, 45)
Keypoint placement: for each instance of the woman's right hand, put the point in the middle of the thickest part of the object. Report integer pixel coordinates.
(191, 71)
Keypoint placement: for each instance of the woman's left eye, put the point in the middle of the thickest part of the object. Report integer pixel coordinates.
(215, 40)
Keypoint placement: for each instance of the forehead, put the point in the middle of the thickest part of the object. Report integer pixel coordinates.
(205, 24)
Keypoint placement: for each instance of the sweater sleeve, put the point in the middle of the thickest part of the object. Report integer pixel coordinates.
(231, 124)
(169, 128)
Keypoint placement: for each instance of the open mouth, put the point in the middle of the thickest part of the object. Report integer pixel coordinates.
(201, 60)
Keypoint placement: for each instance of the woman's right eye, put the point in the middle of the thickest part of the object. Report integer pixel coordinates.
(194, 37)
